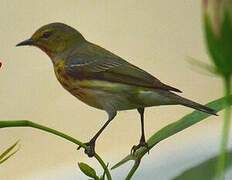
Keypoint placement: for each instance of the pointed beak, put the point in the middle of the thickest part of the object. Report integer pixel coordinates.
(27, 42)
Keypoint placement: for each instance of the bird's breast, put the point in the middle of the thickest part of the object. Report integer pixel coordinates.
(75, 86)
(66, 80)
(62, 76)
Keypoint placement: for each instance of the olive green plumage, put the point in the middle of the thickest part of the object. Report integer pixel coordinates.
(102, 79)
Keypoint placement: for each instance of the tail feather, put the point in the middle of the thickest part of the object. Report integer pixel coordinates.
(194, 105)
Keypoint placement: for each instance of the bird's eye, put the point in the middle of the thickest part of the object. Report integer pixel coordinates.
(46, 34)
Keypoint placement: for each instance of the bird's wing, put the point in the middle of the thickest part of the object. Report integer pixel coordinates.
(100, 64)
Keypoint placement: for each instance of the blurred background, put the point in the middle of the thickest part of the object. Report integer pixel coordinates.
(157, 36)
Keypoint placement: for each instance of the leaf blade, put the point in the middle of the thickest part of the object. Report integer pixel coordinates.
(87, 170)
(5, 155)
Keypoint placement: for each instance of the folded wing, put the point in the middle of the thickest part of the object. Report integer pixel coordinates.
(99, 64)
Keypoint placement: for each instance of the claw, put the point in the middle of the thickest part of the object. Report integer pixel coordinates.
(136, 147)
(90, 150)
(79, 147)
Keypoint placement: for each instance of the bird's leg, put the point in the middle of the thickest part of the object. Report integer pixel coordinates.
(90, 151)
(142, 142)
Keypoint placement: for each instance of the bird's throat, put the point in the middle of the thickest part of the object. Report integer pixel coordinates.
(48, 52)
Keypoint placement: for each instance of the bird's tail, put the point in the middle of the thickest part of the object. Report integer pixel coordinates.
(194, 105)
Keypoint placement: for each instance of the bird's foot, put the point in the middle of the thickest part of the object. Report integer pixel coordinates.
(90, 150)
(141, 144)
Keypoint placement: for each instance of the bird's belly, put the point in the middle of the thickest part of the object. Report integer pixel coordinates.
(102, 95)
(122, 100)
(104, 99)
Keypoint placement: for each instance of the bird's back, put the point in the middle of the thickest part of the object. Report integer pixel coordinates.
(91, 61)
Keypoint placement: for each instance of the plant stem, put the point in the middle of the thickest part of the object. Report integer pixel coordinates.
(133, 169)
(225, 131)
(25, 123)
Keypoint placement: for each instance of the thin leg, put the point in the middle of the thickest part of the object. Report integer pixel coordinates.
(90, 151)
(142, 142)
(141, 112)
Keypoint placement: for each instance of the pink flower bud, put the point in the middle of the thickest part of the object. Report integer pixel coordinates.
(216, 10)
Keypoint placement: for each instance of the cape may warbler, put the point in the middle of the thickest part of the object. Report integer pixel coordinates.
(102, 79)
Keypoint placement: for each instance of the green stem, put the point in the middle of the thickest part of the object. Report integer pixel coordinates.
(25, 123)
(225, 131)
(133, 169)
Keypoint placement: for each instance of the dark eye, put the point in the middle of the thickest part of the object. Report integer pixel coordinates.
(46, 35)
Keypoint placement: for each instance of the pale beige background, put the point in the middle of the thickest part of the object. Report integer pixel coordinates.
(155, 35)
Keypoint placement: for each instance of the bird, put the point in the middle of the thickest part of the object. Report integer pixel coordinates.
(102, 79)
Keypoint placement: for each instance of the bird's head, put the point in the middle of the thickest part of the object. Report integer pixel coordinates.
(54, 38)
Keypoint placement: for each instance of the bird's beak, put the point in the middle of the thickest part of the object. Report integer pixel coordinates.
(27, 42)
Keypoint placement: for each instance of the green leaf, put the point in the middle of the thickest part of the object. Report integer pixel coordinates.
(8, 153)
(88, 171)
(174, 128)
(124, 160)
(204, 170)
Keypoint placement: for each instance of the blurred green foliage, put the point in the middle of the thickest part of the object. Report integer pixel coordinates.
(218, 33)
(205, 170)
(219, 46)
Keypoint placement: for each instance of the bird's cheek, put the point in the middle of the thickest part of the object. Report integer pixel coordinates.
(38, 44)
(60, 46)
